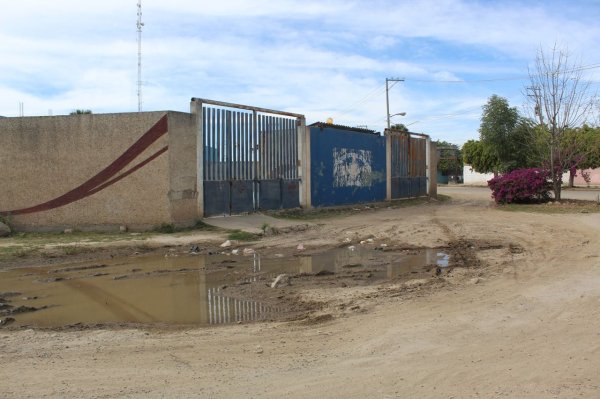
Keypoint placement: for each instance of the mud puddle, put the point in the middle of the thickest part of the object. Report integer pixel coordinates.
(191, 289)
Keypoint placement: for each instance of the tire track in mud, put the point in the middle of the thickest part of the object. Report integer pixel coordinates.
(462, 251)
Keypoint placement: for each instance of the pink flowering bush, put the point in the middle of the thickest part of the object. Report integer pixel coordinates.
(521, 185)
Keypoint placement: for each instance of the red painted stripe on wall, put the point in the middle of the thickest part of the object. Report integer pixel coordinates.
(102, 179)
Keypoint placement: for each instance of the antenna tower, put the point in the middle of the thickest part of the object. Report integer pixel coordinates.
(139, 54)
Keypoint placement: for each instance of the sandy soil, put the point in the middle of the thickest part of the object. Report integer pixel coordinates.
(520, 320)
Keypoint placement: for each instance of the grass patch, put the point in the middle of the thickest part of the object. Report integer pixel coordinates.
(566, 206)
(240, 235)
(16, 251)
(167, 228)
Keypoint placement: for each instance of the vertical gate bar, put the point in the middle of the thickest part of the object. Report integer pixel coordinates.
(286, 159)
(277, 149)
(281, 134)
(219, 145)
(206, 144)
(291, 163)
(254, 143)
(212, 147)
(272, 144)
(234, 144)
(267, 145)
(209, 306)
(243, 147)
(213, 144)
(238, 146)
(263, 147)
(229, 139)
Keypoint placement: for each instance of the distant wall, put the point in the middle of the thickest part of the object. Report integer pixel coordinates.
(98, 171)
(470, 177)
(474, 178)
(594, 177)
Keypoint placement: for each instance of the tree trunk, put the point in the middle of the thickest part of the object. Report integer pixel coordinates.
(557, 188)
(572, 174)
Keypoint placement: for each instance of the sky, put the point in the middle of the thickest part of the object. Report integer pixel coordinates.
(324, 59)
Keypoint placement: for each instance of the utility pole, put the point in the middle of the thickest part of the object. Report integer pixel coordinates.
(387, 96)
(139, 25)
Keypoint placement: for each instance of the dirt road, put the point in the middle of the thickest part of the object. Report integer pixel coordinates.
(520, 320)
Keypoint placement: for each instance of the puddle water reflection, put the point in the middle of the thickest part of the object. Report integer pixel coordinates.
(180, 290)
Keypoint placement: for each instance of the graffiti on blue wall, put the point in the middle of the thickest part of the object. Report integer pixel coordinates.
(351, 167)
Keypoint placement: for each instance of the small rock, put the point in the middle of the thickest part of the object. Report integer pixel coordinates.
(226, 244)
(68, 231)
(4, 230)
(123, 228)
(363, 242)
(347, 239)
(194, 249)
(258, 350)
(351, 247)
(282, 280)
(6, 321)
(235, 251)
(369, 240)
(383, 245)
(300, 247)
(475, 280)
(279, 255)
(248, 251)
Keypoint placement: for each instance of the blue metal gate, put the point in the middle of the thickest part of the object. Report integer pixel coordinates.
(347, 165)
(250, 158)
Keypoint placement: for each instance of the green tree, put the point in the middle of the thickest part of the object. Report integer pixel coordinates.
(450, 158)
(81, 112)
(479, 156)
(507, 135)
(400, 127)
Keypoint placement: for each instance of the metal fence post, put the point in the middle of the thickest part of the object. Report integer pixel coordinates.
(388, 166)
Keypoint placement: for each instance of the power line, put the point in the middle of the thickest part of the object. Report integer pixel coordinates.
(353, 106)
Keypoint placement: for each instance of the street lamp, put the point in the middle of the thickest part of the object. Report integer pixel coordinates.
(397, 114)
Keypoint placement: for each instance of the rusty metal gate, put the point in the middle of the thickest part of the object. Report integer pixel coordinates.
(408, 165)
(250, 158)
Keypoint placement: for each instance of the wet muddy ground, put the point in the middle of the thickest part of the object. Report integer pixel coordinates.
(200, 287)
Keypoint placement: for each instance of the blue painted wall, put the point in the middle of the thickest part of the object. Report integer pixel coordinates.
(347, 167)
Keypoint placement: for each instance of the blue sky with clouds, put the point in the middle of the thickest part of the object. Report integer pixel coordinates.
(325, 58)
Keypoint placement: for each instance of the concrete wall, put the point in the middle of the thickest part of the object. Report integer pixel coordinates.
(470, 177)
(98, 171)
(594, 178)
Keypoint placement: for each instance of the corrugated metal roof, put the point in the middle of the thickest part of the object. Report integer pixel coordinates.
(323, 125)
